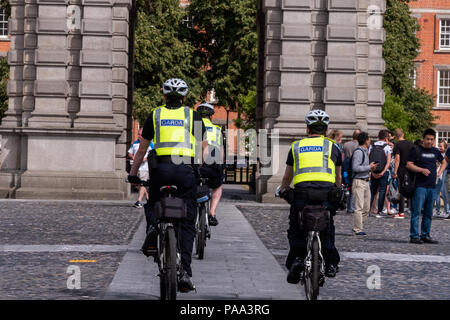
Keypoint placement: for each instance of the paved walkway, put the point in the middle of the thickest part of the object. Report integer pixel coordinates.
(237, 265)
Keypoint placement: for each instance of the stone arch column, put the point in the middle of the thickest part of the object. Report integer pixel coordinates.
(316, 54)
(65, 132)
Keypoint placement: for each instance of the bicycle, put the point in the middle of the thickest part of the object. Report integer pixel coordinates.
(312, 219)
(168, 212)
(202, 224)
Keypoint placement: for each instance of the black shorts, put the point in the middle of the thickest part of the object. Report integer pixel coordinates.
(214, 174)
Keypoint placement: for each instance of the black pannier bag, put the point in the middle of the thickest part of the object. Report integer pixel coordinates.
(314, 218)
(172, 207)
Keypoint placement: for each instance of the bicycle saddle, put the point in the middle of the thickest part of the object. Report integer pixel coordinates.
(168, 189)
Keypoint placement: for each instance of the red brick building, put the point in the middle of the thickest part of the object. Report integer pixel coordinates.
(432, 66)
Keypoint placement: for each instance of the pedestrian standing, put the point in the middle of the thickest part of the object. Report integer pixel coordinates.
(422, 161)
(143, 172)
(380, 153)
(441, 186)
(348, 149)
(360, 185)
(401, 153)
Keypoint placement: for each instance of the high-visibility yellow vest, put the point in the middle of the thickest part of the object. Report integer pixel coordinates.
(312, 160)
(174, 131)
(213, 133)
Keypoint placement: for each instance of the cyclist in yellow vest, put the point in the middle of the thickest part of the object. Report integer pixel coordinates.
(176, 132)
(213, 166)
(313, 165)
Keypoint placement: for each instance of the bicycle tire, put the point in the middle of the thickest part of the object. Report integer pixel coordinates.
(168, 279)
(201, 234)
(197, 227)
(311, 278)
(315, 269)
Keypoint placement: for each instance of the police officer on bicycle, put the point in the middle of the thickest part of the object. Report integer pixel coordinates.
(212, 169)
(173, 129)
(314, 165)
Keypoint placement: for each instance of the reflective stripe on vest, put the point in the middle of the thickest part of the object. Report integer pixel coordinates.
(312, 160)
(170, 125)
(213, 133)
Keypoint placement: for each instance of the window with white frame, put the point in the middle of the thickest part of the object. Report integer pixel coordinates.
(413, 76)
(443, 135)
(444, 36)
(443, 87)
(3, 24)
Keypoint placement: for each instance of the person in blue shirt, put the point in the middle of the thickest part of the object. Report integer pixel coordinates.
(422, 160)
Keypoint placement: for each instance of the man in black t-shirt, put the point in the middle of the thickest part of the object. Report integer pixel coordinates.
(423, 163)
(401, 153)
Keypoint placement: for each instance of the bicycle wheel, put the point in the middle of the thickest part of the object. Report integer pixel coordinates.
(168, 280)
(312, 278)
(201, 234)
(197, 228)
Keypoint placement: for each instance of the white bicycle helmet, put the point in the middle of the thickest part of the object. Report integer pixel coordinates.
(317, 116)
(206, 108)
(175, 86)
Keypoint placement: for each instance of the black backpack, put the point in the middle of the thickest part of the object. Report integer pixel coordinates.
(377, 155)
(350, 167)
(407, 179)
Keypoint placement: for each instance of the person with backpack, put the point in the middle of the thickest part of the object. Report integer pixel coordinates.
(360, 175)
(348, 149)
(380, 153)
(423, 162)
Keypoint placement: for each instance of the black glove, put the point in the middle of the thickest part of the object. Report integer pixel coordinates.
(288, 195)
(133, 179)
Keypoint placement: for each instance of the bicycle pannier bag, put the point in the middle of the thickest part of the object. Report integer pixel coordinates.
(174, 208)
(314, 218)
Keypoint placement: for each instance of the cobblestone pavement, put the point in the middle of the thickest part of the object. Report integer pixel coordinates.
(46, 224)
(40, 239)
(399, 279)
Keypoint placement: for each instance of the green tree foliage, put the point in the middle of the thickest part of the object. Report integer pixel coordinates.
(399, 50)
(225, 38)
(4, 76)
(247, 105)
(395, 115)
(162, 51)
(5, 5)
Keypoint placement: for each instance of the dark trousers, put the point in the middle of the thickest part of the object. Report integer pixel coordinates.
(382, 185)
(183, 177)
(298, 238)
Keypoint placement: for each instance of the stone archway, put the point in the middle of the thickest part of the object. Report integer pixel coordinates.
(67, 127)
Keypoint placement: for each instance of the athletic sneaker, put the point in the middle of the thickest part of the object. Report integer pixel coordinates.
(399, 216)
(394, 211)
(442, 215)
(138, 204)
(437, 213)
(382, 215)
